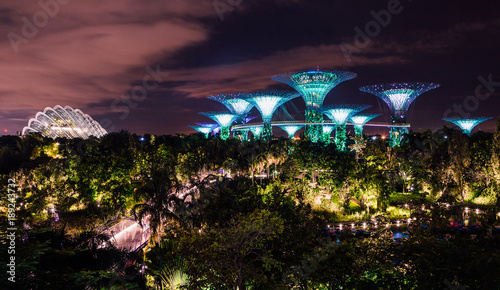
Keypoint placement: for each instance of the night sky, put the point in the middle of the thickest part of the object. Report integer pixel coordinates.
(148, 66)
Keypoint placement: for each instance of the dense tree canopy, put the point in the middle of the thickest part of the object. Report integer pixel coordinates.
(252, 215)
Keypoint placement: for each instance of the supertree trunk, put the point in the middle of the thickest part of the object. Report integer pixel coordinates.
(267, 132)
(341, 137)
(314, 132)
(224, 133)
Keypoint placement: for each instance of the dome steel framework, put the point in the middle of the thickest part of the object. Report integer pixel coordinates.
(65, 123)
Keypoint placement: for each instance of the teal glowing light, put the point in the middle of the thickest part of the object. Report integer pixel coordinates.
(256, 130)
(291, 129)
(467, 124)
(327, 129)
(267, 102)
(396, 136)
(360, 120)
(399, 96)
(327, 132)
(340, 114)
(204, 130)
(234, 102)
(224, 119)
(314, 85)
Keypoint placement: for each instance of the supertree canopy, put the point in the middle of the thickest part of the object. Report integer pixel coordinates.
(213, 126)
(204, 130)
(224, 119)
(327, 132)
(467, 124)
(256, 130)
(267, 102)
(64, 122)
(360, 120)
(340, 114)
(291, 129)
(399, 97)
(234, 102)
(314, 85)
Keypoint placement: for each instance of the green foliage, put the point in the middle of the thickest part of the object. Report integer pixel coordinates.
(236, 230)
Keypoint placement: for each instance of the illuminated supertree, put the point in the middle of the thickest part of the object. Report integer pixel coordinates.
(340, 114)
(360, 120)
(398, 97)
(235, 103)
(291, 129)
(314, 85)
(256, 130)
(467, 124)
(205, 130)
(224, 119)
(237, 133)
(213, 126)
(327, 132)
(267, 102)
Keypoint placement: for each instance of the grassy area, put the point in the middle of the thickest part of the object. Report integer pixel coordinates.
(399, 197)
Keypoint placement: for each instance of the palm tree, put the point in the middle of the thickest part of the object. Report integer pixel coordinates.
(160, 189)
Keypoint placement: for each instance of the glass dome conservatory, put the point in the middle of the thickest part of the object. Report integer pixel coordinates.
(64, 122)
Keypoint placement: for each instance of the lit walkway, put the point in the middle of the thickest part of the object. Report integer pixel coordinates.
(128, 235)
(282, 123)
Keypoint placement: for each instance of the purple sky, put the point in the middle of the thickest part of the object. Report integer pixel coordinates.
(93, 55)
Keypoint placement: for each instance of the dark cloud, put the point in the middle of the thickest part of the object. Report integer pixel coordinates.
(93, 53)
